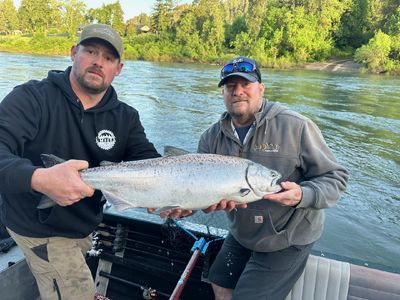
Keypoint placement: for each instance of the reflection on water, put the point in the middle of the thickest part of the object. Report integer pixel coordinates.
(359, 116)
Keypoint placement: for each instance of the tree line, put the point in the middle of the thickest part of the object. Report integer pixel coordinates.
(277, 33)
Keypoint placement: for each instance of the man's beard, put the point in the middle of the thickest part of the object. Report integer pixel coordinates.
(89, 86)
(244, 116)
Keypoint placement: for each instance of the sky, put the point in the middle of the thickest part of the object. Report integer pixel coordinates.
(131, 8)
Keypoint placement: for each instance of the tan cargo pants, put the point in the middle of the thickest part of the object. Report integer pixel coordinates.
(58, 265)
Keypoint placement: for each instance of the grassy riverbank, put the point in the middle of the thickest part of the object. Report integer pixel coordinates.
(144, 50)
(278, 34)
(37, 45)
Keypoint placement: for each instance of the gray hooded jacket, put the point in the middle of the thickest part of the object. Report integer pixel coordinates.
(293, 145)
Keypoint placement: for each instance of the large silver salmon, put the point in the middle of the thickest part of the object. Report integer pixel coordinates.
(190, 181)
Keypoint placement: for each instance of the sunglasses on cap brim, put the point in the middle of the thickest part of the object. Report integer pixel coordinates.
(243, 66)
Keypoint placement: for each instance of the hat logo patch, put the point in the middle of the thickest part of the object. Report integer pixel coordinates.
(237, 60)
(104, 31)
(105, 139)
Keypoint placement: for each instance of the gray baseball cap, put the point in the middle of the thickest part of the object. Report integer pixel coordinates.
(103, 32)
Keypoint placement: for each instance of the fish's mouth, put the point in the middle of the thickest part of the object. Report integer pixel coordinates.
(274, 182)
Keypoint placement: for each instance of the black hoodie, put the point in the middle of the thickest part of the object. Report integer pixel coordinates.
(47, 117)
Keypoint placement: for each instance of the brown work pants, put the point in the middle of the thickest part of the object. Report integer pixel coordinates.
(58, 265)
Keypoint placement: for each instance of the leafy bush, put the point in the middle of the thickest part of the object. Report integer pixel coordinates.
(130, 52)
(375, 55)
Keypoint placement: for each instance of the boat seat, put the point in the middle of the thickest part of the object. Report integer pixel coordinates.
(367, 283)
(322, 279)
(328, 279)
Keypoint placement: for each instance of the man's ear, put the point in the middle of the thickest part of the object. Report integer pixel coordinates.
(262, 88)
(74, 50)
(119, 69)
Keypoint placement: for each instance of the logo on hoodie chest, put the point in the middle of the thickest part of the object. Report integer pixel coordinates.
(105, 139)
(267, 147)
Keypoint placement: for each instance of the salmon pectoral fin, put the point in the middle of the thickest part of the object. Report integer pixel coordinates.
(117, 202)
(244, 192)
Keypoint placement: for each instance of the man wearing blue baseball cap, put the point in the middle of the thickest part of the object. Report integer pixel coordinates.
(269, 240)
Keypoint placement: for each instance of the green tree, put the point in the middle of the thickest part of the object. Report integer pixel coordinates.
(133, 25)
(392, 25)
(243, 43)
(234, 9)
(255, 17)
(210, 16)
(117, 17)
(188, 36)
(8, 16)
(73, 16)
(273, 31)
(55, 16)
(238, 26)
(302, 37)
(328, 12)
(111, 14)
(162, 16)
(34, 16)
(395, 51)
(376, 17)
(143, 19)
(290, 4)
(359, 23)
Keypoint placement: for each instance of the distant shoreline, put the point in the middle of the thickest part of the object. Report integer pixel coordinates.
(335, 65)
(345, 65)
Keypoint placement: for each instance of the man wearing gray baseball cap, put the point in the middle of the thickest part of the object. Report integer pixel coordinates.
(76, 115)
(104, 33)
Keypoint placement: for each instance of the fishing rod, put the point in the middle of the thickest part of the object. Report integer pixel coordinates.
(148, 292)
(115, 242)
(199, 248)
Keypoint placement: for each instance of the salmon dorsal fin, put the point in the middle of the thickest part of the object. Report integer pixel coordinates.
(106, 163)
(174, 151)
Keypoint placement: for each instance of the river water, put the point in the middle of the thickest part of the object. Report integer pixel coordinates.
(359, 116)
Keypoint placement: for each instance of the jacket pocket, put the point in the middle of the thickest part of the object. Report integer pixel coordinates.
(254, 229)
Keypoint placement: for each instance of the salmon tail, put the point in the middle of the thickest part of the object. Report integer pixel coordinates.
(50, 160)
(46, 202)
